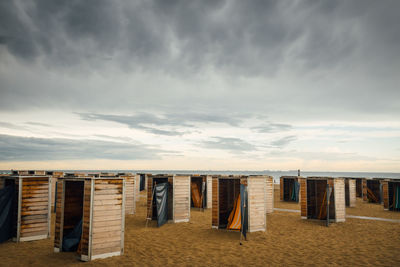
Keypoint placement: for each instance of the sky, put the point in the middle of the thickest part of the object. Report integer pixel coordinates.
(200, 85)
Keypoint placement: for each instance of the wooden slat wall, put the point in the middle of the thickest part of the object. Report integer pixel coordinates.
(340, 204)
(364, 189)
(352, 192)
(181, 195)
(130, 203)
(303, 197)
(58, 226)
(149, 197)
(257, 205)
(35, 207)
(137, 187)
(269, 196)
(85, 238)
(281, 188)
(209, 192)
(107, 217)
(385, 189)
(215, 210)
(15, 215)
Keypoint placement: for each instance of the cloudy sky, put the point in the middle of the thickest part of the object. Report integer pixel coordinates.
(221, 85)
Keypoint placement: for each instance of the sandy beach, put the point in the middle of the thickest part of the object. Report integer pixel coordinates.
(289, 240)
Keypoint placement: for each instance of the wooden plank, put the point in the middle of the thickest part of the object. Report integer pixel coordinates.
(97, 251)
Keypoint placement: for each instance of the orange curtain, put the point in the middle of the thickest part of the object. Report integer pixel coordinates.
(196, 195)
(234, 220)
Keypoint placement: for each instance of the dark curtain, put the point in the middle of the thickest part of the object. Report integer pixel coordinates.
(6, 212)
(244, 209)
(161, 197)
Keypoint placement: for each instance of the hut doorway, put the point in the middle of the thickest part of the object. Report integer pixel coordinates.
(162, 200)
(233, 205)
(374, 191)
(317, 200)
(291, 189)
(73, 215)
(394, 196)
(142, 182)
(198, 192)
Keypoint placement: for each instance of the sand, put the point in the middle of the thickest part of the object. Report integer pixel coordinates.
(288, 240)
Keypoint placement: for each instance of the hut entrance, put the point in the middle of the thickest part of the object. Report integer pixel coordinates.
(7, 210)
(317, 200)
(394, 196)
(291, 189)
(232, 199)
(198, 191)
(142, 182)
(374, 191)
(73, 213)
(358, 187)
(162, 205)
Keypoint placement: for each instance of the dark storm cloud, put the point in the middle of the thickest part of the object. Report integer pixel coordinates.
(247, 37)
(151, 123)
(16, 148)
(234, 145)
(284, 141)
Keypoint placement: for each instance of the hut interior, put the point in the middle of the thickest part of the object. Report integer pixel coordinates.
(347, 192)
(373, 191)
(228, 195)
(317, 200)
(198, 191)
(142, 185)
(394, 195)
(290, 189)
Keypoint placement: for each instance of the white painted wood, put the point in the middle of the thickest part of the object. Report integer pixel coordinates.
(49, 207)
(123, 216)
(340, 201)
(352, 192)
(209, 191)
(31, 238)
(181, 198)
(256, 203)
(106, 255)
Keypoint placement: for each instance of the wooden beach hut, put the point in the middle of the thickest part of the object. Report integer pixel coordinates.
(315, 191)
(168, 198)
(25, 202)
(290, 188)
(238, 203)
(269, 194)
(391, 194)
(54, 175)
(90, 217)
(372, 190)
(130, 202)
(200, 191)
(350, 192)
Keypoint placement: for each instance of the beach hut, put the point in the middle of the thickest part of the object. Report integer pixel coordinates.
(290, 188)
(130, 202)
(90, 217)
(315, 191)
(269, 194)
(238, 203)
(350, 192)
(372, 190)
(391, 194)
(168, 198)
(25, 208)
(200, 191)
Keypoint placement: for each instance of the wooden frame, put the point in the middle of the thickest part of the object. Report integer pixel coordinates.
(130, 197)
(178, 196)
(33, 202)
(102, 213)
(256, 190)
(314, 186)
(269, 194)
